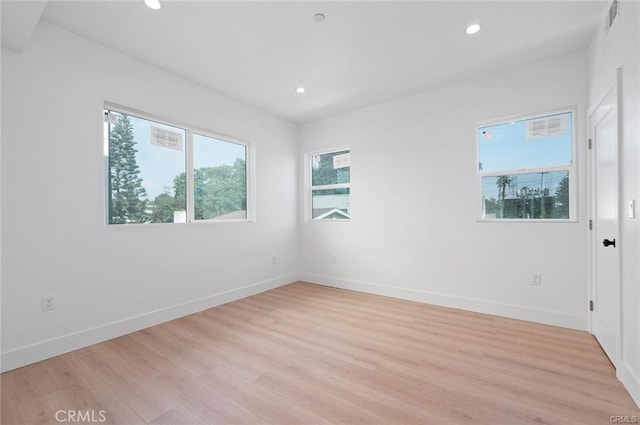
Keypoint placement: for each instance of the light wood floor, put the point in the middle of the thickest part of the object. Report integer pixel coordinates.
(306, 354)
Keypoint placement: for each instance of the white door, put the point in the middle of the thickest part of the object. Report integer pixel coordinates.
(605, 243)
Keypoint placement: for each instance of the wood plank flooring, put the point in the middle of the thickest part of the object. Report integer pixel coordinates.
(306, 354)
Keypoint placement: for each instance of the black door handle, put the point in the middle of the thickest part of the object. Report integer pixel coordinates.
(607, 242)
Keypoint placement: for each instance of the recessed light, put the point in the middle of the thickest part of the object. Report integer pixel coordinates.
(153, 4)
(318, 17)
(473, 28)
(300, 90)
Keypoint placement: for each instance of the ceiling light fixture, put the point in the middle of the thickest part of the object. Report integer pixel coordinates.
(318, 17)
(153, 4)
(300, 90)
(473, 28)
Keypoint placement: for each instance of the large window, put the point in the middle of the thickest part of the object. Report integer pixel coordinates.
(526, 168)
(161, 173)
(330, 185)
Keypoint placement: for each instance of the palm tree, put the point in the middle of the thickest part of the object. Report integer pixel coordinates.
(502, 183)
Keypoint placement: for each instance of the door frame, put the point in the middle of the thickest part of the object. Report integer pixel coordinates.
(593, 243)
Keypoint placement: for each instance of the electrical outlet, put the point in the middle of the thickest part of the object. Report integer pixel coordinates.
(274, 260)
(48, 302)
(334, 259)
(536, 279)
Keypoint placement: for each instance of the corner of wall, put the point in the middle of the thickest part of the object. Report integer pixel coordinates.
(630, 380)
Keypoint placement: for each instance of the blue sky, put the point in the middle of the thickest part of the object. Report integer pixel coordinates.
(506, 146)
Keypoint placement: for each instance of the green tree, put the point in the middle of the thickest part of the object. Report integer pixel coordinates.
(127, 203)
(324, 173)
(216, 190)
(180, 192)
(163, 209)
(562, 199)
(220, 190)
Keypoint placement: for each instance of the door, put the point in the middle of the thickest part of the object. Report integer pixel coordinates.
(605, 243)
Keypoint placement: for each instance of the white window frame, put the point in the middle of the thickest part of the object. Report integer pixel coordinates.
(571, 168)
(308, 204)
(190, 130)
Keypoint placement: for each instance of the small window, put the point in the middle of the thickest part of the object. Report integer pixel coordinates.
(330, 185)
(147, 164)
(526, 168)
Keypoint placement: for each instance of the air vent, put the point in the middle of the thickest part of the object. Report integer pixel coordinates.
(611, 17)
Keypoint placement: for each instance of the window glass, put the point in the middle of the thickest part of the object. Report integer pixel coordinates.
(330, 204)
(533, 143)
(146, 164)
(527, 196)
(329, 168)
(220, 179)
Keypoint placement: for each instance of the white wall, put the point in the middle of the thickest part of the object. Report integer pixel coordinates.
(414, 232)
(620, 47)
(111, 280)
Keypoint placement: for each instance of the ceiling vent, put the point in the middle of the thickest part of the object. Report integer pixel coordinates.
(611, 17)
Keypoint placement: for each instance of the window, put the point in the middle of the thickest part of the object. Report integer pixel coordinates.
(330, 185)
(147, 167)
(220, 178)
(526, 168)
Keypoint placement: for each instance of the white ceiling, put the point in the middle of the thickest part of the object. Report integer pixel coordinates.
(363, 53)
(19, 20)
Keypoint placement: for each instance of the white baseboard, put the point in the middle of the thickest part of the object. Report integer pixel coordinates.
(22, 356)
(547, 317)
(630, 380)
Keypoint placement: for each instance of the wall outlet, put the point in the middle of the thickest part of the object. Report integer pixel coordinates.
(536, 279)
(274, 260)
(334, 259)
(48, 302)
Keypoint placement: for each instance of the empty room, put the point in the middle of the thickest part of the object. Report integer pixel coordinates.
(185, 240)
